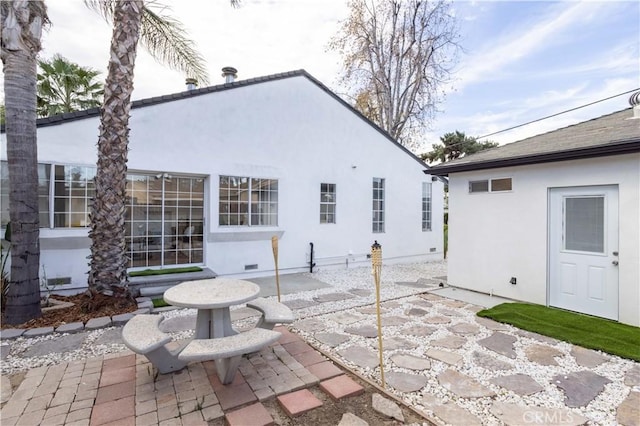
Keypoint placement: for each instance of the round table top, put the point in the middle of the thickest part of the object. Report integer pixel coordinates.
(212, 293)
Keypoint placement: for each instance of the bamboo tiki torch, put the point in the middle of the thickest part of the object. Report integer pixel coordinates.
(376, 265)
(274, 246)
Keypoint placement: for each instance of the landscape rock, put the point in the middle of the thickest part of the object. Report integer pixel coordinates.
(386, 407)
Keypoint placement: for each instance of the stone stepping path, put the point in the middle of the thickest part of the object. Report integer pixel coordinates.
(421, 303)
(629, 411)
(405, 382)
(542, 354)
(395, 343)
(587, 357)
(450, 342)
(516, 415)
(539, 337)
(491, 324)
(437, 320)
(500, 343)
(360, 356)
(450, 412)
(453, 303)
(332, 339)
(333, 297)
(411, 362)
(489, 362)
(520, 384)
(59, 344)
(310, 325)
(464, 328)
(581, 387)
(447, 357)
(416, 312)
(419, 330)
(449, 313)
(632, 378)
(432, 297)
(463, 385)
(386, 407)
(345, 319)
(393, 321)
(367, 331)
(299, 303)
(349, 419)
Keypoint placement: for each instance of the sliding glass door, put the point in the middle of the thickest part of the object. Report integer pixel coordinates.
(165, 220)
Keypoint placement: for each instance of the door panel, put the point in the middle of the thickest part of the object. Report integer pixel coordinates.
(583, 237)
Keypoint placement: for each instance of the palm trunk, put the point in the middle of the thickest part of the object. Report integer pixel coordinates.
(22, 22)
(107, 233)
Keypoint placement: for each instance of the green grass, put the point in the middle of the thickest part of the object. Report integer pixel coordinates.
(159, 303)
(582, 330)
(148, 272)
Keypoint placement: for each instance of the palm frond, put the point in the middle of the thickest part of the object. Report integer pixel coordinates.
(164, 37)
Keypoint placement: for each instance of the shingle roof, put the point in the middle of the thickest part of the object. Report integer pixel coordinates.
(611, 134)
(94, 112)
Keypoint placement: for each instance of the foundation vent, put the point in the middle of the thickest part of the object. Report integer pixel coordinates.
(251, 267)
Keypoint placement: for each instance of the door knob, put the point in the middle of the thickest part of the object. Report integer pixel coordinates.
(615, 262)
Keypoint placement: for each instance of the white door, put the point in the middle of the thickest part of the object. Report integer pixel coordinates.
(583, 250)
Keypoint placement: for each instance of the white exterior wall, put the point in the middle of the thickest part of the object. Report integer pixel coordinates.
(496, 236)
(289, 130)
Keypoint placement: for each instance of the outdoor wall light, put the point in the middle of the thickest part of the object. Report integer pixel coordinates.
(513, 280)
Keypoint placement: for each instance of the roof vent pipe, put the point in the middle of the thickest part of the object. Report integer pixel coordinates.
(191, 83)
(229, 74)
(634, 101)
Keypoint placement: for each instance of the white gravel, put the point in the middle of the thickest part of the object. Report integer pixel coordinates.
(397, 299)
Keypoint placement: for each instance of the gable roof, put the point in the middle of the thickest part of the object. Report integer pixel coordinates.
(612, 134)
(141, 103)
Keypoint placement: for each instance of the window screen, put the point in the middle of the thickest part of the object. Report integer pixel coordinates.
(584, 224)
(501, 184)
(479, 186)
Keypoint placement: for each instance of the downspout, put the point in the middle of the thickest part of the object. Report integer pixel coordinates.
(311, 262)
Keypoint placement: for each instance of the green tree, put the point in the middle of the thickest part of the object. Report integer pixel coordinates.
(64, 86)
(22, 23)
(397, 55)
(455, 145)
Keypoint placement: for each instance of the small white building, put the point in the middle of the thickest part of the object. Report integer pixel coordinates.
(553, 219)
(215, 173)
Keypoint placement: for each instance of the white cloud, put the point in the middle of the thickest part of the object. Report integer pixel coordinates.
(499, 53)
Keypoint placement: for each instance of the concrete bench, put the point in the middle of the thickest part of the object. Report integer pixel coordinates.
(142, 335)
(273, 312)
(227, 351)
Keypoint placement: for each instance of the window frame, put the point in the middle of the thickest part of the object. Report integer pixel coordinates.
(489, 182)
(427, 207)
(249, 212)
(378, 205)
(328, 217)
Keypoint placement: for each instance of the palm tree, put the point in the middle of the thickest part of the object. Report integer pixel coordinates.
(22, 23)
(165, 39)
(65, 86)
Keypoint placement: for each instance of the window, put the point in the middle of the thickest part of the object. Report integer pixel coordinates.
(164, 219)
(584, 224)
(248, 201)
(44, 172)
(73, 190)
(426, 206)
(327, 203)
(493, 185)
(164, 214)
(378, 205)
(501, 184)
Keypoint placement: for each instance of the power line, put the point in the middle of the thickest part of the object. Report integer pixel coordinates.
(559, 113)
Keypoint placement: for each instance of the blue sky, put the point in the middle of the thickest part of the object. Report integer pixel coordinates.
(521, 61)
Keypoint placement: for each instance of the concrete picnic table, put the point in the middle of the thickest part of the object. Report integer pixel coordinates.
(212, 298)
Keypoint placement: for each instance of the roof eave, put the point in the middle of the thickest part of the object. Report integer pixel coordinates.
(617, 148)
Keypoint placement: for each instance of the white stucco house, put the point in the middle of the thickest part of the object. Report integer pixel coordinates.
(553, 219)
(215, 173)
